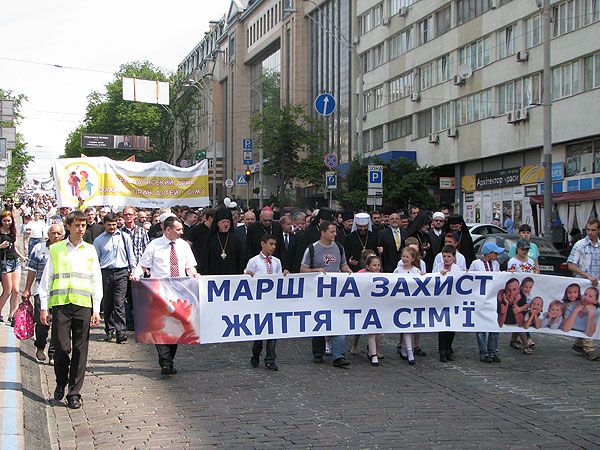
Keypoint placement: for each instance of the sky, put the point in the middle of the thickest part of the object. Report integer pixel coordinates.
(90, 35)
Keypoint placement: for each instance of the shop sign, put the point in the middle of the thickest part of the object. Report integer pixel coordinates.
(498, 179)
(448, 183)
(531, 190)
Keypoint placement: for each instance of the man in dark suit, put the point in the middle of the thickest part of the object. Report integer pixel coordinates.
(391, 242)
(242, 230)
(93, 228)
(289, 239)
(436, 235)
(257, 230)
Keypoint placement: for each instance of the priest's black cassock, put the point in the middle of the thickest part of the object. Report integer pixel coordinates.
(355, 243)
(223, 253)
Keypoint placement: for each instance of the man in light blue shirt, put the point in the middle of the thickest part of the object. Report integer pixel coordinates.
(584, 262)
(117, 261)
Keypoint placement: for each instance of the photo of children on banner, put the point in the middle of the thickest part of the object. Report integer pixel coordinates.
(575, 312)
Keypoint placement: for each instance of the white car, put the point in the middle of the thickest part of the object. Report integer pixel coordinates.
(482, 229)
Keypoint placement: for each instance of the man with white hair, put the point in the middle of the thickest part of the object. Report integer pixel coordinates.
(361, 238)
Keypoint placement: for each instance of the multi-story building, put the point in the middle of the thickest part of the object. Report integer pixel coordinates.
(459, 83)
(259, 57)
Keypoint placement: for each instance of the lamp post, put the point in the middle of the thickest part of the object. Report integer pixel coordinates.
(547, 120)
(338, 36)
(211, 139)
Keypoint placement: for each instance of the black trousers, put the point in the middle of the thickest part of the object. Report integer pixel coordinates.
(114, 284)
(129, 320)
(445, 339)
(318, 346)
(41, 330)
(71, 330)
(166, 354)
(257, 348)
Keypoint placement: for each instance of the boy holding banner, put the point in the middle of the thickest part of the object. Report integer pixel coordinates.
(265, 264)
(487, 342)
(445, 338)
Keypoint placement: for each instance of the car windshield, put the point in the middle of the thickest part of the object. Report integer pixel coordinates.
(543, 245)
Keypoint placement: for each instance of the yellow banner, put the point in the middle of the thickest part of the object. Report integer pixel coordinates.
(103, 181)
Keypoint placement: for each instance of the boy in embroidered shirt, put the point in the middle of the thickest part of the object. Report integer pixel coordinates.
(445, 338)
(487, 342)
(265, 264)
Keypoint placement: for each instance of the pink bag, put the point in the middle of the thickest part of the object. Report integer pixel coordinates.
(24, 326)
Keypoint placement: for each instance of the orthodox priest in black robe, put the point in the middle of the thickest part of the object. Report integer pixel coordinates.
(361, 238)
(223, 253)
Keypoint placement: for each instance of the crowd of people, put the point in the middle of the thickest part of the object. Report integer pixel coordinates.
(81, 266)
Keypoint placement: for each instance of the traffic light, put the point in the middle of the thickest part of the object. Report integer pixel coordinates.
(247, 173)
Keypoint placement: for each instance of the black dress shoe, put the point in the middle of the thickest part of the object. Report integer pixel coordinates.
(254, 361)
(168, 371)
(122, 339)
(272, 366)
(74, 402)
(443, 357)
(59, 392)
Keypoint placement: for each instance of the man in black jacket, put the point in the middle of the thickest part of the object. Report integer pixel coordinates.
(391, 242)
(94, 229)
(265, 225)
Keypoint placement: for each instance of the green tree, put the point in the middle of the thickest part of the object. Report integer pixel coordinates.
(290, 140)
(405, 183)
(20, 159)
(108, 113)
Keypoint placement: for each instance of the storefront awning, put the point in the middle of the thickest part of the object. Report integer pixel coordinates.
(562, 197)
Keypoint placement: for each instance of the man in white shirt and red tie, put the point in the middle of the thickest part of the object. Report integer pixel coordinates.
(167, 256)
(265, 264)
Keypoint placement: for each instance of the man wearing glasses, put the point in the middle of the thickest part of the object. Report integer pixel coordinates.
(257, 230)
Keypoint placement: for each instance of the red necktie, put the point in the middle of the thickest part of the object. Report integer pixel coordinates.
(174, 261)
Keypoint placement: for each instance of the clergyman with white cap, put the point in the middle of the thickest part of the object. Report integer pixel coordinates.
(487, 342)
(361, 238)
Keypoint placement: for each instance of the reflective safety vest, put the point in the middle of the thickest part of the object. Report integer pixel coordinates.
(71, 282)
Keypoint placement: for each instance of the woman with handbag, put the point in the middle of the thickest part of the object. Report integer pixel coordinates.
(10, 267)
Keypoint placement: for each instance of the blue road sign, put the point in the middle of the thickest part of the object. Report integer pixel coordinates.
(247, 144)
(375, 177)
(330, 160)
(240, 179)
(247, 158)
(325, 104)
(331, 180)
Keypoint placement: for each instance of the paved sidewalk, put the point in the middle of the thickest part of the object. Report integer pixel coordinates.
(11, 395)
(550, 399)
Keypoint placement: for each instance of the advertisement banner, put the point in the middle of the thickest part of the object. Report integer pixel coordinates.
(111, 141)
(215, 309)
(102, 181)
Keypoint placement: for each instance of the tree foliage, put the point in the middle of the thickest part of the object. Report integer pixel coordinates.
(405, 184)
(290, 140)
(108, 113)
(20, 159)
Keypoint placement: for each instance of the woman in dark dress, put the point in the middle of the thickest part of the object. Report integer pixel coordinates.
(10, 267)
(222, 253)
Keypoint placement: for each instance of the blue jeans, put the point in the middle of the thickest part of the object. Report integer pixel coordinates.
(338, 346)
(488, 344)
(32, 242)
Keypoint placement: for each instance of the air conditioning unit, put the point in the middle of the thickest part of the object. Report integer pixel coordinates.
(452, 132)
(522, 56)
(510, 117)
(356, 40)
(434, 138)
(493, 4)
(403, 11)
(458, 80)
(385, 21)
(415, 97)
(521, 115)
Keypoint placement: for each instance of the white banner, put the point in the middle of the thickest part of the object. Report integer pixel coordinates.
(103, 181)
(241, 308)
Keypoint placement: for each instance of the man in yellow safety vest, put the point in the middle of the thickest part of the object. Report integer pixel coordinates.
(71, 288)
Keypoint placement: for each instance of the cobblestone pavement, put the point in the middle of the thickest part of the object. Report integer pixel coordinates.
(549, 399)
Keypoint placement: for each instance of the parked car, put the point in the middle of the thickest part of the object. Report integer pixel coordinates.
(483, 229)
(551, 262)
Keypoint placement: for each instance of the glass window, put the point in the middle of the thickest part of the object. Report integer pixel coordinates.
(426, 30)
(426, 76)
(588, 73)
(379, 96)
(442, 21)
(501, 94)
(443, 65)
(576, 80)
(377, 138)
(505, 42)
(579, 159)
(597, 70)
(555, 84)
(399, 128)
(533, 31)
(441, 117)
(424, 123)
(566, 80)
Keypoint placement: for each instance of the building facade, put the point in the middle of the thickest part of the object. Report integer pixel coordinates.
(459, 83)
